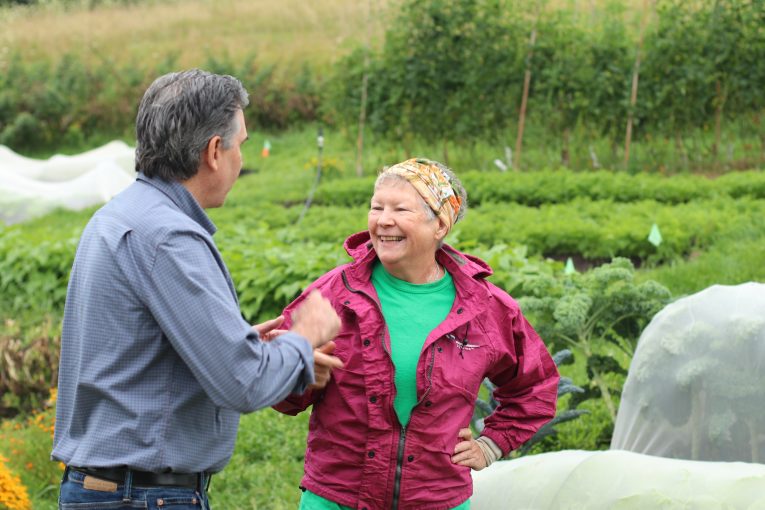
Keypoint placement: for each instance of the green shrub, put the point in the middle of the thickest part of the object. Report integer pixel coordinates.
(29, 364)
(266, 468)
(446, 72)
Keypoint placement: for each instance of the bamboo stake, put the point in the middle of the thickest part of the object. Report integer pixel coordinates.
(525, 97)
(720, 102)
(634, 91)
(363, 109)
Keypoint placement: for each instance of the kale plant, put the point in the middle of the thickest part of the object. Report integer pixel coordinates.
(598, 315)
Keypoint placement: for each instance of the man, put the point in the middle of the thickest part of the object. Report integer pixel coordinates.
(156, 361)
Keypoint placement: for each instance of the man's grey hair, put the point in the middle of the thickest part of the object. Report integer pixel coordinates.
(178, 115)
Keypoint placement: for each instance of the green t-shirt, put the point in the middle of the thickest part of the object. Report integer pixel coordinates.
(411, 312)
(311, 501)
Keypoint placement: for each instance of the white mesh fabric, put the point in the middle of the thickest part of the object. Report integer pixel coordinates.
(696, 386)
(31, 187)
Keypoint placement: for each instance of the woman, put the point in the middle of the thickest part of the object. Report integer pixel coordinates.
(421, 329)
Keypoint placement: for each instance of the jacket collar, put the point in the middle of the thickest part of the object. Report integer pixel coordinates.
(463, 268)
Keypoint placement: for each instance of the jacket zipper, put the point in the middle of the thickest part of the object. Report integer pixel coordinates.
(430, 373)
(399, 467)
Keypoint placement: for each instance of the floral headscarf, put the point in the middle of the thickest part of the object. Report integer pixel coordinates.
(433, 185)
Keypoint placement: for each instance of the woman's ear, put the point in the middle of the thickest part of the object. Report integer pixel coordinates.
(442, 229)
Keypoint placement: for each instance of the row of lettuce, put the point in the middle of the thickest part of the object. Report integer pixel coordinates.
(556, 186)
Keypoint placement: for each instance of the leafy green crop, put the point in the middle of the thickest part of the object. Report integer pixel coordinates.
(598, 315)
(558, 186)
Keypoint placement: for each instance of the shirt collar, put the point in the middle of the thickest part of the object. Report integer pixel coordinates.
(185, 201)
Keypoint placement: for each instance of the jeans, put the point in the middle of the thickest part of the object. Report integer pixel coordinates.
(74, 496)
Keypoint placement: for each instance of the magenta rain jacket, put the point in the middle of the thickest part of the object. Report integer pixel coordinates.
(358, 454)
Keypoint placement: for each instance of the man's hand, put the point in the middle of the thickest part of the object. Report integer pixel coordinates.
(323, 363)
(316, 320)
(467, 452)
(269, 330)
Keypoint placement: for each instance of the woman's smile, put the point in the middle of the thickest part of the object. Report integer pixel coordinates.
(404, 236)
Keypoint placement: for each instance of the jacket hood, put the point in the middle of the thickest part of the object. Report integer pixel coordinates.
(359, 246)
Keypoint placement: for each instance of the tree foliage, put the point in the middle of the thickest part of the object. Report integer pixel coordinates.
(446, 72)
(453, 70)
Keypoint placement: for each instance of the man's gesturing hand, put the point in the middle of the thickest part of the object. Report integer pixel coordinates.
(323, 363)
(269, 330)
(316, 320)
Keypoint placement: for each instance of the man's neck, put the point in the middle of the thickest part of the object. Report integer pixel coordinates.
(196, 186)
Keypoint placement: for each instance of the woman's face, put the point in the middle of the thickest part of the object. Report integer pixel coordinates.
(404, 236)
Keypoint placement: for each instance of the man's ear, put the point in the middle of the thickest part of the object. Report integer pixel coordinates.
(212, 151)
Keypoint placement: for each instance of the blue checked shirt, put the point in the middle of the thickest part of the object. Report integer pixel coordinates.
(157, 362)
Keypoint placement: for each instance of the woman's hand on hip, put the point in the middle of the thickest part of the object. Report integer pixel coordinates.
(467, 452)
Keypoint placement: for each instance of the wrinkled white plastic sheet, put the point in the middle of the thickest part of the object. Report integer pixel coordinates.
(617, 480)
(32, 187)
(696, 385)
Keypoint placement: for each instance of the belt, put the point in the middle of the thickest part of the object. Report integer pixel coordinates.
(190, 480)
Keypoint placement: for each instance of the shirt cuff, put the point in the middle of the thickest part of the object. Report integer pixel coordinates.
(491, 451)
(305, 351)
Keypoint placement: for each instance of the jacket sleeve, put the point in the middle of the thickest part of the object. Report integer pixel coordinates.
(527, 385)
(296, 403)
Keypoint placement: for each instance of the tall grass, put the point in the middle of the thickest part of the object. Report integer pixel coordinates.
(288, 32)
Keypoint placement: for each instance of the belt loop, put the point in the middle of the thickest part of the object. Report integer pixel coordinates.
(204, 486)
(128, 485)
(65, 475)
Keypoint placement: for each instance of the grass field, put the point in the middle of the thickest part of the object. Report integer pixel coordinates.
(287, 32)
